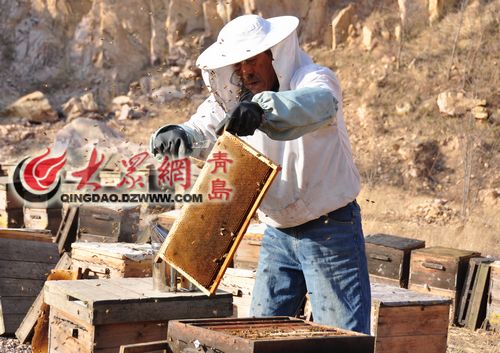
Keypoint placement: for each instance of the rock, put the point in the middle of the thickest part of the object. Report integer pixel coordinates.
(437, 8)
(184, 16)
(124, 112)
(454, 104)
(480, 112)
(117, 102)
(83, 106)
(489, 197)
(403, 108)
(212, 20)
(340, 25)
(34, 107)
(166, 94)
(88, 103)
(368, 38)
(435, 211)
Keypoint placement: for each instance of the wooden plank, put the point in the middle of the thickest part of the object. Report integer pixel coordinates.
(25, 330)
(68, 229)
(10, 322)
(393, 296)
(14, 287)
(39, 235)
(202, 242)
(411, 344)
(394, 241)
(183, 308)
(24, 270)
(108, 301)
(477, 307)
(16, 305)
(412, 320)
(115, 335)
(17, 249)
(147, 347)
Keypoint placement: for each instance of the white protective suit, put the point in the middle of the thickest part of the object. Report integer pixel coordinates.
(318, 173)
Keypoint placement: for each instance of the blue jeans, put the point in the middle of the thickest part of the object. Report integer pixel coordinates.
(325, 258)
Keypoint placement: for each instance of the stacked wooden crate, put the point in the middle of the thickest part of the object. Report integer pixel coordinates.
(40, 217)
(407, 321)
(103, 314)
(11, 205)
(388, 258)
(247, 254)
(112, 260)
(239, 282)
(26, 258)
(109, 224)
(440, 271)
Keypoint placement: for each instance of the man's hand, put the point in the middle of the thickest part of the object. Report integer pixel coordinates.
(173, 141)
(243, 120)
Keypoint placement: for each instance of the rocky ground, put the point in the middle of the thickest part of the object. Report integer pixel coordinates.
(421, 108)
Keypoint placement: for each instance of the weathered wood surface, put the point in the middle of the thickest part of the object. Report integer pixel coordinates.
(389, 256)
(407, 321)
(113, 260)
(239, 282)
(393, 296)
(39, 235)
(43, 218)
(493, 310)
(11, 218)
(68, 229)
(24, 269)
(440, 267)
(247, 254)
(69, 335)
(394, 241)
(147, 347)
(8, 196)
(202, 242)
(131, 300)
(288, 335)
(117, 224)
(25, 329)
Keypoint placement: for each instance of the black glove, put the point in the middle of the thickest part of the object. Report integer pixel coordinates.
(243, 120)
(172, 140)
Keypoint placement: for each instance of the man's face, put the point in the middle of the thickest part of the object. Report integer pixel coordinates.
(257, 73)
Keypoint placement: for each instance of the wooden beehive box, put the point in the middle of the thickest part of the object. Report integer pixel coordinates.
(440, 271)
(43, 218)
(108, 224)
(389, 258)
(247, 254)
(11, 218)
(100, 315)
(26, 258)
(202, 241)
(167, 219)
(112, 260)
(239, 282)
(259, 335)
(407, 321)
(493, 308)
(8, 196)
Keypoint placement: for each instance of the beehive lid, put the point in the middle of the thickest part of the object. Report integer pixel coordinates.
(123, 251)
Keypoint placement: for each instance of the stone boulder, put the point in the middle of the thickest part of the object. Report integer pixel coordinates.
(340, 25)
(34, 107)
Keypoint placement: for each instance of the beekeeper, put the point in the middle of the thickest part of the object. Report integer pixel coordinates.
(264, 88)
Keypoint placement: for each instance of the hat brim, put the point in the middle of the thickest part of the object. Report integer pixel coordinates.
(219, 54)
